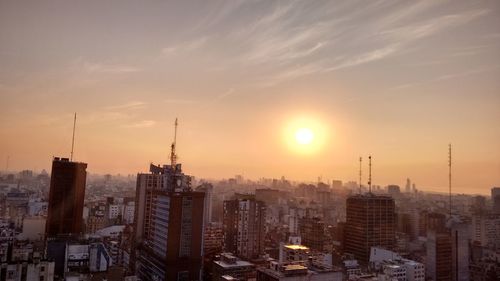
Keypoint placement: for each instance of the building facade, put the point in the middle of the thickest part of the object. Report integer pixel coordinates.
(243, 226)
(67, 193)
(371, 221)
(168, 226)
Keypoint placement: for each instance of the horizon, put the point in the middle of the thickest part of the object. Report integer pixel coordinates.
(264, 89)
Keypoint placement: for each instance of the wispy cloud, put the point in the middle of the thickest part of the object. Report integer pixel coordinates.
(180, 101)
(93, 67)
(141, 124)
(184, 47)
(449, 76)
(128, 105)
(290, 46)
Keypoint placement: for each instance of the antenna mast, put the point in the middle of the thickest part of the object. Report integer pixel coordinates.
(370, 173)
(73, 139)
(449, 173)
(360, 166)
(173, 156)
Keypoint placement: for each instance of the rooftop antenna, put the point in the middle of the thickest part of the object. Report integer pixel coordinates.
(360, 166)
(7, 163)
(73, 139)
(449, 173)
(370, 173)
(173, 156)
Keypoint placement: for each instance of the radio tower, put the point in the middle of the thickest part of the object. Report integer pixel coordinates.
(449, 173)
(73, 139)
(370, 173)
(173, 156)
(360, 167)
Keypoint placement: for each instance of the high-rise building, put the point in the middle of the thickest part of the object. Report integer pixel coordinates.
(168, 226)
(370, 221)
(67, 193)
(243, 225)
(495, 197)
(312, 233)
(208, 189)
(460, 253)
(438, 256)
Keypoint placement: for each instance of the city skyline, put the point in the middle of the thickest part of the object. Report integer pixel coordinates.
(395, 80)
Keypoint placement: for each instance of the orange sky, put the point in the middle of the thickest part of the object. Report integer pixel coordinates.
(395, 80)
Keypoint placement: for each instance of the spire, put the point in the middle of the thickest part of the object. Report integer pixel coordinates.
(360, 167)
(370, 173)
(449, 173)
(173, 156)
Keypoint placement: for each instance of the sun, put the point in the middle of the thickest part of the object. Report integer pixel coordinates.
(304, 136)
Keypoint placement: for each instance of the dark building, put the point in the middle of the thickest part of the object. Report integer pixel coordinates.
(438, 256)
(495, 197)
(312, 232)
(243, 226)
(67, 193)
(371, 221)
(168, 226)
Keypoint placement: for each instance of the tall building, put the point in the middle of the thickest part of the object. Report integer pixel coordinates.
(460, 237)
(495, 197)
(243, 224)
(208, 189)
(438, 256)
(67, 193)
(168, 226)
(312, 233)
(370, 221)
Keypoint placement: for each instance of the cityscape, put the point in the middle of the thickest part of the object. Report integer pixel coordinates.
(250, 140)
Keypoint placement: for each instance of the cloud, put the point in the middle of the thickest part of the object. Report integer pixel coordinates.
(128, 105)
(297, 38)
(92, 67)
(184, 47)
(141, 124)
(179, 101)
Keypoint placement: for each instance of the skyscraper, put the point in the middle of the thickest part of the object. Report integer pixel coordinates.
(243, 225)
(495, 197)
(370, 221)
(168, 225)
(67, 193)
(438, 265)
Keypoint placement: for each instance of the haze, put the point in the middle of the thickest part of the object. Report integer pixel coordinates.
(397, 80)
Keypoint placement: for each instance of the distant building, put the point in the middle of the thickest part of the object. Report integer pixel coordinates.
(495, 197)
(371, 221)
(67, 192)
(243, 226)
(208, 189)
(394, 190)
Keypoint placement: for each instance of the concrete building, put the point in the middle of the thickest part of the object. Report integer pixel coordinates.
(229, 265)
(486, 229)
(371, 221)
(168, 226)
(312, 233)
(438, 256)
(297, 272)
(495, 197)
(243, 226)
(208, 189)
(67, 192)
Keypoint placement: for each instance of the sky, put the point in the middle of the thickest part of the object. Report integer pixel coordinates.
(398, 80)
